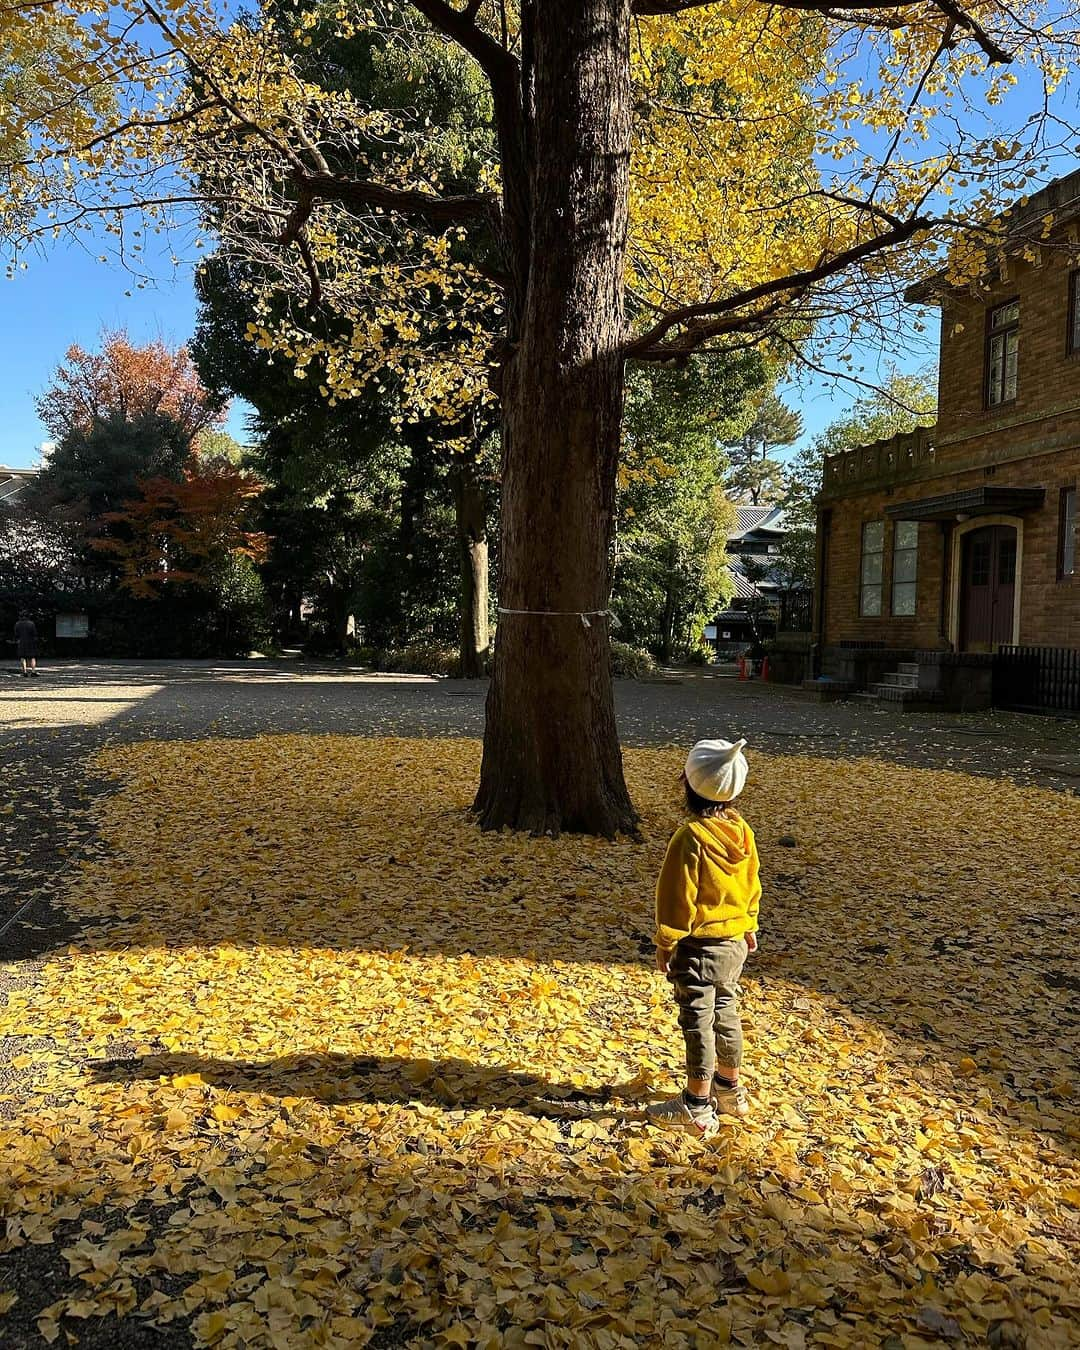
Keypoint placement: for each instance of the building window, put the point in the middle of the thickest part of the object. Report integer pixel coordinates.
(1067, 533)
(1002, 346)
(1073, 344)
(905, 567)
(872, 569)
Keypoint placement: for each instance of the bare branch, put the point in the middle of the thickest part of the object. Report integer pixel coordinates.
(178, 119)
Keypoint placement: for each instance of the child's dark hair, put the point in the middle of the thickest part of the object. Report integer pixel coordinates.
(701, 806)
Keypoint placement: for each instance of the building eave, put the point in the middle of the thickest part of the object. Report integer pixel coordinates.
(977, 501)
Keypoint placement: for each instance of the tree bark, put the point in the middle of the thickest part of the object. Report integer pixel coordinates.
(552, 760)
(667, 621)
(470, 512)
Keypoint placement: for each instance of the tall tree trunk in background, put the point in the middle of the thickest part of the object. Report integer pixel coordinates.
(667, 621)
(471, 519)
(338, 605)
(416, 483)
(551, 749)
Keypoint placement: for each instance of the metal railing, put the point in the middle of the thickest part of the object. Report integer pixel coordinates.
(1037, 679)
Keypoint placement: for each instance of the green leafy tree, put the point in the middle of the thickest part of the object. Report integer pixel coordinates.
(437, 84)
(359, 511)
(96, 470)
(674, 517)
(215, 448)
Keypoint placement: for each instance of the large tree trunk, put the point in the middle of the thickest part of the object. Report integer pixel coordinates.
(470, 512)
(551, 750)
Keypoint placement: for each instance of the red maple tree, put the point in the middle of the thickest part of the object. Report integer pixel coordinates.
(126, 381)
(181, 532)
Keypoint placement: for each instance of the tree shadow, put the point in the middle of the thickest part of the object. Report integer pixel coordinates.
(388, 1080)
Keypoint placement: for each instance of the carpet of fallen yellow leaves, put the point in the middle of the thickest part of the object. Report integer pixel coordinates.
(328, 1066)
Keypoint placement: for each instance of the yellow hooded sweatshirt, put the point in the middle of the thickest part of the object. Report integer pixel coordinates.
(709, 885)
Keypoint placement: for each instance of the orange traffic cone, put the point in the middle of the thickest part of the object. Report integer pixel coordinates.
(765, 670)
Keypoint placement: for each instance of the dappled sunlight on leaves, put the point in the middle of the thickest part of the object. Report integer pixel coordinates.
(327, 1064)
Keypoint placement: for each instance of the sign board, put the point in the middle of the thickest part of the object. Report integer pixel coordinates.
(72, 625)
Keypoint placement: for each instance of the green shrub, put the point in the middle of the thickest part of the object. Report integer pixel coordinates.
(418, 658)
(630, 663)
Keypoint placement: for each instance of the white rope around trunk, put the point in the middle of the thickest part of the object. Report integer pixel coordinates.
(583, 614)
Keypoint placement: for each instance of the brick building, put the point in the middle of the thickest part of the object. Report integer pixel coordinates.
(938, 549)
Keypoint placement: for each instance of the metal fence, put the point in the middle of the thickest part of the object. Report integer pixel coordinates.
(1037, 679)
(796, 612)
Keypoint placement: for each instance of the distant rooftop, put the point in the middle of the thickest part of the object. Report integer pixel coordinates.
(13, 481)
(751, 518)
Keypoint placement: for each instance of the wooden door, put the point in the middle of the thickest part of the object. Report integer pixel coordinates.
(987, 588)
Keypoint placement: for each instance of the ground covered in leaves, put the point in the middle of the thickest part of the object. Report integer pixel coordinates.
(327, 1067)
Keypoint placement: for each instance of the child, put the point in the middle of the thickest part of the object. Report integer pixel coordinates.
(706, 922)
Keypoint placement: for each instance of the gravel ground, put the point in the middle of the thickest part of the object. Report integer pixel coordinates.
(50, 726)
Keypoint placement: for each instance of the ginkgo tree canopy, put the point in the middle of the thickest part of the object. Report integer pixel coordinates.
(771, 144)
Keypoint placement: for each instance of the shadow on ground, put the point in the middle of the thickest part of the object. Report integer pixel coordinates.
(335, 1079)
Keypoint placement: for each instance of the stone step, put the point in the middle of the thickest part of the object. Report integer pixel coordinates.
(905, 694)
(903, 679)
(908, 668)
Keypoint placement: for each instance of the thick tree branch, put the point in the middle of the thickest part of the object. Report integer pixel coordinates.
(858, 11)
(315, 293)
(702, 322)
(497, 63)
(357, 194)
(995, 53)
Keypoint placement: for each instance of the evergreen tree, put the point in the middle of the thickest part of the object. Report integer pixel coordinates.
(756, 475)
(674, 517)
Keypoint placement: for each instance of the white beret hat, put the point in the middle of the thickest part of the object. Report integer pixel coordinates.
(716, 770)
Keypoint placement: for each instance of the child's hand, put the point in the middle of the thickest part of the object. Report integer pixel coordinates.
(751, 942)
(662, 959)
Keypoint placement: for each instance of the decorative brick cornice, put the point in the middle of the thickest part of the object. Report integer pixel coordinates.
(900, 459)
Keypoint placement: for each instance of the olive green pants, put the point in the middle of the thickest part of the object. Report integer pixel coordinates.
(705, 980)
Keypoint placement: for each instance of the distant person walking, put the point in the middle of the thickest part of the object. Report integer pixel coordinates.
(26, 644)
